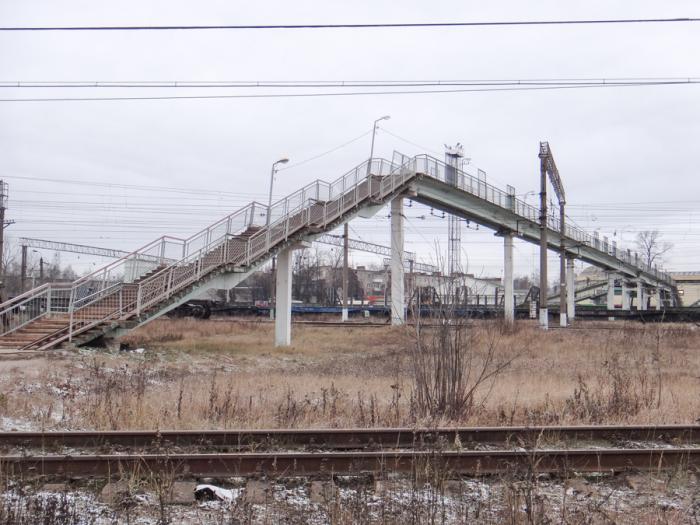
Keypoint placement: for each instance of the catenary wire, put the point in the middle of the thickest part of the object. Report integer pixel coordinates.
(492, 23)
(349, 93)
(189, 84)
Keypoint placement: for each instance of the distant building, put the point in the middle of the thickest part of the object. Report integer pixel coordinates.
(688, 287)
(373, 286)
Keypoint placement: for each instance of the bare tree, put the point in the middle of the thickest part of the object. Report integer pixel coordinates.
(454, 370)
(651, 246)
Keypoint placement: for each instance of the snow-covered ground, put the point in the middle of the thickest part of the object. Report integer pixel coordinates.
(622, 500)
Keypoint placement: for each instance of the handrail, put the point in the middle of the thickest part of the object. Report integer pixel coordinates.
(136, 252)
(95, 295)
(30, 293)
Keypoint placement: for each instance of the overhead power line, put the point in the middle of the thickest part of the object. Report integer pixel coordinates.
(327, 152)
(493, 23)
(353, 93)
(149, 84)
(124, 186)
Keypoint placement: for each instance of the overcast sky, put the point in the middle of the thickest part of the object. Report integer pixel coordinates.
(628, 157)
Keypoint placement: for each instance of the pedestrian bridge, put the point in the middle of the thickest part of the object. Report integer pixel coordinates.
(170, 271)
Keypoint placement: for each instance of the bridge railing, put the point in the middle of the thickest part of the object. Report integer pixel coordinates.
(317, 204)
(480, 188)
(33, 305)
(320, 203)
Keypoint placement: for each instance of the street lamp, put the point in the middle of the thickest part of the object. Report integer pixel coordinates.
(272, 180)
(374, 132)
(283, 160)
(346, 299)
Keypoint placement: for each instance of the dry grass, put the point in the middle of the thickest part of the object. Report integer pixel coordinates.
(208, 374)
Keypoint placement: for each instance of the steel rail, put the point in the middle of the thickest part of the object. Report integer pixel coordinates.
(329, 463)
(349, 439)
(385, 324)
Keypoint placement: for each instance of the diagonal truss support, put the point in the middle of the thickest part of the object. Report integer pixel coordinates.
(379, 249)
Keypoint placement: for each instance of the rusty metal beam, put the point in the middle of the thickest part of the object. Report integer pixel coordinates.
(329, 463)
(349, 438)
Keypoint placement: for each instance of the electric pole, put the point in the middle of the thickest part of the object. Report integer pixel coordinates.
(3, 205)
(544, 320)
(23, 276)
(563, 310)
(454, 231)
(346, 302)
(549, 167)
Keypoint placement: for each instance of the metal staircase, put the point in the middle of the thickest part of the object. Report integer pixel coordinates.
(129, 290)
(597, 288)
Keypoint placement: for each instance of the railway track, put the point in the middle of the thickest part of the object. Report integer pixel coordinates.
(281, 464)
(351, 439)
(351, 451)
(424, 324)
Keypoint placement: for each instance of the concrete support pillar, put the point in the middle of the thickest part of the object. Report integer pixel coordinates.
(283, 299)
(398, 310)
(656, 298)
(641, 298)
(570, 289)
(508, 299)
(611, 295)
(625, 296)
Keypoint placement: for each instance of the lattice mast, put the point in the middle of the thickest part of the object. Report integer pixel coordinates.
(549, 168)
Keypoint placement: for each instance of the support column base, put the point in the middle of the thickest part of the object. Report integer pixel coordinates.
(544, 319)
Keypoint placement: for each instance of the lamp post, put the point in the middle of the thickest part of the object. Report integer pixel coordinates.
(272, 181)
(374, 133)
(283, 160)
(346, 300)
